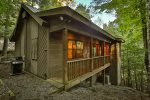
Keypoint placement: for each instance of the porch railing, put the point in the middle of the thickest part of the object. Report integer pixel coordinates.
(98, 62)
(107, 59)
(79, 67)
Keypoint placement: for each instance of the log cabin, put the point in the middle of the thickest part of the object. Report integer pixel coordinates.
(63, 46)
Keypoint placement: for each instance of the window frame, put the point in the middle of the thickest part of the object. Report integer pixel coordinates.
(74, 55)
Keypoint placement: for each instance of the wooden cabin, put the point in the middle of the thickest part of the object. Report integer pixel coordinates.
(61, 45)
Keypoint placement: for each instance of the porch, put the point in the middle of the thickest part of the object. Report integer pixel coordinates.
(80, 57)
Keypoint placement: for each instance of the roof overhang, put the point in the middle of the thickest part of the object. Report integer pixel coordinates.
(19, 23)
(73, 14)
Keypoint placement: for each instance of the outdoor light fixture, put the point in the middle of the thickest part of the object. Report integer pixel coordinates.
(61, 18)
(69, 21)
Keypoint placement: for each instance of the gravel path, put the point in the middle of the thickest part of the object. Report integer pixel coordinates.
(26, 86)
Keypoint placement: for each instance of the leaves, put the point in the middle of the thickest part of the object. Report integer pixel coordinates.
(84, 11)
(130, 24)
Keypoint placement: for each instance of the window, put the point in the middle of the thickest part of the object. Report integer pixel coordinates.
(107, 49)
(75, 49)
(97, 50)
(34, 49)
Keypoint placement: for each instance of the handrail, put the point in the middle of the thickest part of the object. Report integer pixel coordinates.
(107, 55)
(81, 59)
(78, 67)
(98, 57)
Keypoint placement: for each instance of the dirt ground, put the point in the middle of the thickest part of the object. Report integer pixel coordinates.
(29, 87)
(26, 86)
(100, 92)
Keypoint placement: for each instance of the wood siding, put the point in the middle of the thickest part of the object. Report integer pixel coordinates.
(20, 43)
(28, 46)
(33, 46)
(56, 56)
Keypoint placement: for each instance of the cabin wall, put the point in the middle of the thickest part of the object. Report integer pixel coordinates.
(55, 56)
(20, 42)
(28, 45)
(31, 33)
(36, 48)
(33, 46)
(18, 46)
(32, 43)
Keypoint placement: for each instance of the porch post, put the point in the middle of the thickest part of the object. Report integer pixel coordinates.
(114, 70)
(104, 77)
(104, 51)
(65, 56)
(104, 63)
(91, 54)
(118, 65)
(92, 78)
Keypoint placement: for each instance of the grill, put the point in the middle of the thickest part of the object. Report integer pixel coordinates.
(17, 66)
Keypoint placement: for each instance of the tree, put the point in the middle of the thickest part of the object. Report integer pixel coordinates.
(84, 11)
(99, 22)
(70, 3)
(149, 45)
(49, 4)
(7, 21)
(131, 25)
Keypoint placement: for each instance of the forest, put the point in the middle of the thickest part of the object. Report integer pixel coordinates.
(132, 24)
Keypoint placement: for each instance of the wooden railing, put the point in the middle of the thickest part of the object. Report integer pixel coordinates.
(78, 67)
(98, 62)
(107, 59)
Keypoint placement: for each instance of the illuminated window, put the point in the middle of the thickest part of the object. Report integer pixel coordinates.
(107, 49)
(75, 49)
(97, 50)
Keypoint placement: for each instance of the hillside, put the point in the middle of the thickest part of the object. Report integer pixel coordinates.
(100, 92)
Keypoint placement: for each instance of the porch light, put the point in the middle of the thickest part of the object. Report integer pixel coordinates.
(61, 18)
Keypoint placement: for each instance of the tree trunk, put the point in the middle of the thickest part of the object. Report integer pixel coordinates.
(5, 46)
(123, 70)
(148, 68)
(129, 70)
(141, 81)
(135, 77)
(144, 30)
(146, 39)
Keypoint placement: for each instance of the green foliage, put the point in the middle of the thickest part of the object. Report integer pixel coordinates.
(8, 16)
(49, 4)
(130, 24)
(83, 10)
